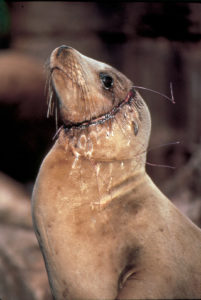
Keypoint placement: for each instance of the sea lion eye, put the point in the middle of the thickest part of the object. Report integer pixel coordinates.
(107, 80)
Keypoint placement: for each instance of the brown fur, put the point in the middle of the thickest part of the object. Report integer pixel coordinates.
(105, 230)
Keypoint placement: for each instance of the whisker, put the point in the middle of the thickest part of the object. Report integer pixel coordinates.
(56, 116)
(171, 91)
(49, 110)
(156, 147)
(57, 132)
(160, 166)
(161, 94)
(162, 145)
(48, 75)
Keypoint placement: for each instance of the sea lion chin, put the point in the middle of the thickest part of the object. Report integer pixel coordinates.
(104, 228)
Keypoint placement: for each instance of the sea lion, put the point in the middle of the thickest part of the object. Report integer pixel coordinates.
(105, 230)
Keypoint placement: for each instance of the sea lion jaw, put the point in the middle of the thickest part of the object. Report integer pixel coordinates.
(93, 113)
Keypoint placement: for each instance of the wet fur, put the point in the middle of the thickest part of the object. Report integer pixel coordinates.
(104, 228)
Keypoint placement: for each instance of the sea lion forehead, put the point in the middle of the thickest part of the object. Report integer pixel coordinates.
(98, 65)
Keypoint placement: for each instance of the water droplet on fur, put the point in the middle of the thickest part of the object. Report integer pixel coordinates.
(75, 160)
(107, 135)
(82, 141)
(90, 151)
(97, 169)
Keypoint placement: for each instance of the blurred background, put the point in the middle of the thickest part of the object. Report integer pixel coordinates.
(153, 44)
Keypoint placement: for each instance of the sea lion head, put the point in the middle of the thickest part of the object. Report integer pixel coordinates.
(98, 106)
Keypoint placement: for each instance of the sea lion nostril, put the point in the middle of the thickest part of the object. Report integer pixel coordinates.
(61, 48)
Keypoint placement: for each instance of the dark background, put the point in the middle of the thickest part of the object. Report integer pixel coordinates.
(153, 43)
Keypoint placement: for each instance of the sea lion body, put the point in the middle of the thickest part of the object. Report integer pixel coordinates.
(105, 230)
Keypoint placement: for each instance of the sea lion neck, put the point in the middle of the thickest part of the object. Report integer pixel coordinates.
(109, 179)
